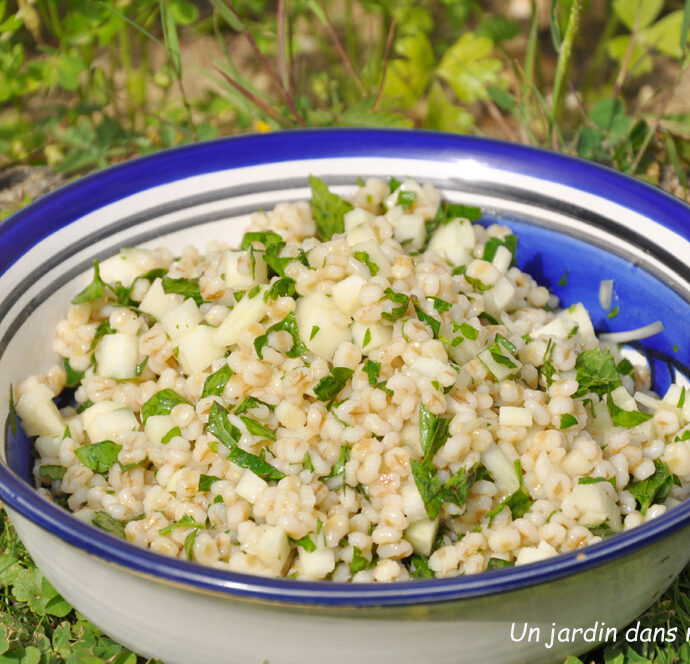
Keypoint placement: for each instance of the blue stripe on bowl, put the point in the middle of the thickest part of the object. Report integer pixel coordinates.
(27, 228)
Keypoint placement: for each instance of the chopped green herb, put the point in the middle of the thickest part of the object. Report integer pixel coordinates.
(73, 376)
(103, 328)
(363, 257)
(488, 318)
(359, 562)
(433, 431)
(267, 238)
(140, 367)
(625, 368)
(406, 199)
(372, 370)
(564, 279)
(518, 503)
(547, 369)
(161, 403)
(175, 431)
(441, 305)
(80, 408)
(188, 288)
(367, 338)
(432, 322)
(401, 302)
(675, 348)
(654, 489)
(328, 209)
(684, 436)
(189, 544)
(567, 421)
(338, 468)
(459, 270)
(597, 480)
(614, 312)
(625, 418)
(104, 521)
(447, 212)
(596, 372)
(492, 245)
(94, 291)
(283, 287)
(254, 292)
(214, 385)
(498, 563)
(205, 481)
(52, 471)
(185, 522)
(305, 542)
(393, 184)
(329, 386)
(289, 325)
(419, 567)
(469, 331)
(12, 415)
(307, 463)
(314, 331)
(257, 429)
(433, 493)
(99, 457)
(681, 398)
(478, 285)
(248, 403)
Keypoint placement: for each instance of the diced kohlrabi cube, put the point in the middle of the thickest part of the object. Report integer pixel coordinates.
(454, 241)
(500, 371)
(502, 258)
(156, 301)
(273, 548)
(579, 315)
(376, 256)
(180, 320)
(39, 414)
(116, 356)
(410, 231)
(250, 487)
(198, 350)
(357, 217)
(316, 317)
(514, 416)
(345, 293)
(315, 565)
(499, 295)
(245, 313)
(421, 535)
(157, 427)
(370, 336)
(129, 264)
(596, 506)
(501, 468)
(245, 278)
(412, 503)
(106, 420)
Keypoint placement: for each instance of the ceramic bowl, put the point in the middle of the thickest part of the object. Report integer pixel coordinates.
(570, 216)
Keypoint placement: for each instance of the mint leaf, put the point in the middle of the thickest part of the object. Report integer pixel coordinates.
(625, 418)
(406, 199)
(215, 384)
(289, 324)
(175, 431)
(104, 521)
(267, 238)
(432, 322)
(596, 372)
(161, 403)
(363, 257)
(283, 287)
(567, 421)
(94, 291)
(372, 370)
(248, 403)
(338, 468)
(219, 426)
(328, 387)
(498, 563)
(654, 489)
(433, 431)
(305, 542)
(99, 457)
(52, 472)
(185, 522)
(419, 567)
(257, 429)
(328, 209)
(401, 302)
(74, 377)
(359, 562)
(518, 503)
(256, 464)
(205, 481)
(469, 331)
(188, 288)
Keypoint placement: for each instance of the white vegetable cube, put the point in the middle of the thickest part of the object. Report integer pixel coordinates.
(596, 505)
(501, 468)
(180, 320)
(361, 233)
(345, 293)
(157, 426)
(105, 420)
(421, 535)
(556, 328)
(410, 230)
(499, 370)
(622, 398)
(579, 315)
(39, 414)
(533, 554)
(318, 311)
(315, 565)
(245, 313)
(198, 350)
(273, 548)
(357, 217)
(250, 487)
(502, 258)
(156, 301)
(454, 240)
(673, 395)
(514, 416)
(126, 266)
(237, 270)
(116, 356)
(48, 446)
(412, 503)
(372, 248)
(374, 334)
(497, 298)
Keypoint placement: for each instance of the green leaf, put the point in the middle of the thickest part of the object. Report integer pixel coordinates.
(408, 75)
(183, 12)
(432, 322)
(363, 114)
(433, 431)
(372, 370)
(406, 199)
(626, 418)
(249, 403)
(185, 522)
(99, 457)
(401, 302)
(338, 468)
(205, 481)
(305, 542)
(229, 16)
(289, 325)
(267, 238)
(307, 463)
(446, 213)
(256, 464)
(590, 144)
(419, 567)
(284, 287)
(328, 209)
(52, 472)
(469, 331)
(492, 245)
(188, 288)
(329, 386)
(219, 426)
(360, 562)
(664, 35)
(170, 36)
(257, 429)
(637, 14)
(609, 115)
(189, 544)
(518, 503)
(654, 489)
(567, 421)
(215, 384)
(498, 563)
(175, 431)
(94, 291)
(161, 403)
(469, 69)
(640, 61)
(104, 521)
(443, 115)
(596, 372)
(363, 257)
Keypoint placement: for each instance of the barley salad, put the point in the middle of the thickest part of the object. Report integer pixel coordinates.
(366, 390)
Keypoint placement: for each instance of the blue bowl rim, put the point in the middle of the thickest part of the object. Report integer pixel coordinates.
(47, 215)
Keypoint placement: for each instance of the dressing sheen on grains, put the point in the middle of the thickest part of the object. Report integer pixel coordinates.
(365, 389)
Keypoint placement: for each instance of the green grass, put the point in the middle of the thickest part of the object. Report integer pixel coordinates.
(37, 626)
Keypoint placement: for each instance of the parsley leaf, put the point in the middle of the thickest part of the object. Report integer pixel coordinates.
(490, 248)
(328, 209)
(257, 429)
(267, 238)
(161, 403)
(94, 291)
(625, 418)
(567, 421)
(73, 376)
(432, 322)
(363, 257)
(401, 302)
(52, 472)
(205, 481)
(329, 386)
(188, 288)
(433, 431)
(596, 372)
(498, 563)
(305, 542)
(283, 287)
(518, 502)
(359, 562)
(214, 385)
(104, 521)
(654, 489)
(289, 324)
(99, 457)
(372, 370)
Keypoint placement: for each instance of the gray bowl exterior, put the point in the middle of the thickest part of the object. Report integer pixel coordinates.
(180, 625)
(183, 623)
